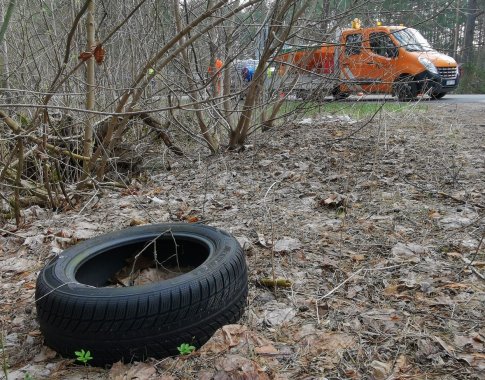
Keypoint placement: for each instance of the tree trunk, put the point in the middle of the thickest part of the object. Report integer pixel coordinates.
(457, 30)
(226, 81)
(4, 70)
(471, 17)
(6, 20)
(278, 33)
(90, 83)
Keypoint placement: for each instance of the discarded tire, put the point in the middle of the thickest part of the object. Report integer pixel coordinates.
(76, 308)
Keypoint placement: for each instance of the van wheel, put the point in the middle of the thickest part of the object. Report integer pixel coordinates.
(302, 94)
(339, 95)
(438, 95)
(79, 305)
(405, 89)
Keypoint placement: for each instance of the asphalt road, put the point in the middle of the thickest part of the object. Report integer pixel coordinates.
(449, 98)
(457, 99)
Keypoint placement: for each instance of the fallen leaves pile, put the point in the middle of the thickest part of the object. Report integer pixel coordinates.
(364, 244)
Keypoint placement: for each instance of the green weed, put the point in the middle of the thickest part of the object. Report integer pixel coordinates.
(185, 349)
(83, 356)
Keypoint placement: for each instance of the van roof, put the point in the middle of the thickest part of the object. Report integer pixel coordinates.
(377, 27)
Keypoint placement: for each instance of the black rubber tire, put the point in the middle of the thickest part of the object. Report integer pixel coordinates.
(338, 95)
(406, 89)
(438, 95)
(77, 311)
(303, 94)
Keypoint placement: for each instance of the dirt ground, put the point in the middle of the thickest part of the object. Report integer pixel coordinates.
(379, 228)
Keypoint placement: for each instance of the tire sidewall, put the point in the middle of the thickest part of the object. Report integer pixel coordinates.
(60, 274)
(405, 88)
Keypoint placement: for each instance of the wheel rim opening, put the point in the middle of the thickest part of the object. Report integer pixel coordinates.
(143, 261)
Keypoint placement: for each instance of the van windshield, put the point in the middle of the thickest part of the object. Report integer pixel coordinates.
(411, 40)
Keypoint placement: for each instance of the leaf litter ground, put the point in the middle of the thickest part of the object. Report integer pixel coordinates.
(375, 233)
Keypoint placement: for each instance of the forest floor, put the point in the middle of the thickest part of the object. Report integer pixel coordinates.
(378, 227)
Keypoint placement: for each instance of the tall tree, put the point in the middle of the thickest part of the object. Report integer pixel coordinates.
(472, 12)
(4, 66)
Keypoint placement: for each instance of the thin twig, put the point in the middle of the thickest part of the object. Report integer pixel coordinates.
(355, 274)
(340, 285)
(268, 209)
(469, 262)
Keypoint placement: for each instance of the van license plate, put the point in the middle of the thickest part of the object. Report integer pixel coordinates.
(450, 82)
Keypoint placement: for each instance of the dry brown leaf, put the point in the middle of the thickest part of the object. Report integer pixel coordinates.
(261, 240)
(450, 350)
(357, 258)
(85, 55)
(192, 219)
(391, 290)
(380, 370)
(333, 200)
(117, 371)
(402, 365)
(268, 349)
(16, 265)
(137, 222)
(479, 264)
(239, 367)
(138, 371)
(205, 375)
(99, 54)
(331, 344)
(233, 336)
(280, 376)
(63, 233)
(129, 191)
(475, 360)
(45, 354)
(467, 342)
(224, 338)
(230, 331)
(35, 333)
(478, 338)
(454, 255)
(353, 374)
(63, 243)
(236, 362)
(455, 285)
(29, 285)
(148, 276)
(426, 348)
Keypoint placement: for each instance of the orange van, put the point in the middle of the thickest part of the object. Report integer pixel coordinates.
(379, 60)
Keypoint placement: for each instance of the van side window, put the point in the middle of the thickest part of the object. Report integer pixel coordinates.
(353, 44)
(381, 44)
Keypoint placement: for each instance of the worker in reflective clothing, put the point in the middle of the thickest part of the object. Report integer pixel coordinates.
(217, 81)
(248, 73)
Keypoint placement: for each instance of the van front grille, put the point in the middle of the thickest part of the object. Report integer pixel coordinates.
(447, 72)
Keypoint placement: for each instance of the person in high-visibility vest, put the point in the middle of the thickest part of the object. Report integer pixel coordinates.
(248, 73)
(218, 64)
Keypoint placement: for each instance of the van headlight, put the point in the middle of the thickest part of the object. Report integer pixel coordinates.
(428, 65)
